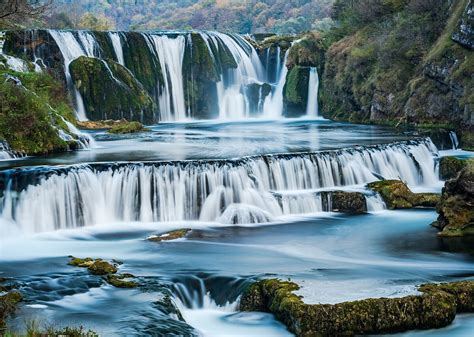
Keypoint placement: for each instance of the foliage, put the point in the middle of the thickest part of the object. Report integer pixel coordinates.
(32, 111)
(279, 16)
(13, 12)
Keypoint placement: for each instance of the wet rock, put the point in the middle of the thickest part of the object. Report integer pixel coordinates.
(295, 92)
(397, 195)
(172, 235)
(110, 90)
(309, 51)
(8, 303)
(121, 280)
(436, 307)
(129, 127)
(256, 94)
(348, 202)
(101, 124)
(464, 33)
(449, 167)
(96, 267)
(456, 207)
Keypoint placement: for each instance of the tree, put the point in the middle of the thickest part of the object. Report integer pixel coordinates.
(14, 10)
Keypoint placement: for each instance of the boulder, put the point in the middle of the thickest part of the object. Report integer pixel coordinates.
(111, 91)
(295, 92)
(172, 235)
(456, 207)
(121, 280)
(397, 195)
(348, 202)
(449, 167)
(436, 307)
(128, 127)
(96, 267)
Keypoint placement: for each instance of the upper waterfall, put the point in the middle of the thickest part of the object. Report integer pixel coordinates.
(175, 75)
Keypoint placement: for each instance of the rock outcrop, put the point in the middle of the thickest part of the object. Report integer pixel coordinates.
(449, 167)
(436, 307)
(456, 207)
(348, 202)
(397, 195)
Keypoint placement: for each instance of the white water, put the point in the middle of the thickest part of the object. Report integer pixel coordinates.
(241, 191)
(454, 139)
(117, 44)
(71, 49)
(170, 53)
(273, 105)
(313, 88)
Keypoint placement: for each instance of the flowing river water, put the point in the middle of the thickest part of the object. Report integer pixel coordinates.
(253, 193)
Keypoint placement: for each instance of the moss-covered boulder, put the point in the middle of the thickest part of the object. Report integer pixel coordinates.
(121, 280)
(129, 127)
(397, 195)
(348, 202)
(8, 304)
(172, 235)
(295, 92)
(110, 91)
(96, 267)
(456, 207)
(449, 167)
(436, 307)
(309, 51)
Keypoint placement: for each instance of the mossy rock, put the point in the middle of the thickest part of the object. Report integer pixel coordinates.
(309, 51)
(449, 167)
(295, 92)
(121, 280)
(256, 93)
(348, 202)
(129, 127)
(111, 91)
(8, 304)
(455, 209)
(172, 235)
(96, 267)
(397, 195)
(436, 307)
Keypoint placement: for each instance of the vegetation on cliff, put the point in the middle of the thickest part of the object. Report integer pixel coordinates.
(456, 208)
(33, 111)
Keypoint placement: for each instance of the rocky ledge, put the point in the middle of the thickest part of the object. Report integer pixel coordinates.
(456, 207)
(397, 195)
(435, 307)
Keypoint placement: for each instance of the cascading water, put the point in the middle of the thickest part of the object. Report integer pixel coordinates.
(229, 191)
(72, 48)
(115, 37)
(313, 88)
(273, 105)
(170, 53)
(454, 139)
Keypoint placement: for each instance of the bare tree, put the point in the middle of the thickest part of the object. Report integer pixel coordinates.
(23, 9)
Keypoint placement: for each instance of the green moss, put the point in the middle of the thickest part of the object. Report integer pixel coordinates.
(449, 167)
(31, 113)
(121, 280)
(348, 202)
(435, 308)
(397, 195)
(96, 267)
(308, 52)
(8, 303)
(129, 127)
(109, 90)
(295, 92)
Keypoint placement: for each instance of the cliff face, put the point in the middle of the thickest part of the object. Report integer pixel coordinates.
(412, 66)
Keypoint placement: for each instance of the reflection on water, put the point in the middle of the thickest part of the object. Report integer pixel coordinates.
(217, 139)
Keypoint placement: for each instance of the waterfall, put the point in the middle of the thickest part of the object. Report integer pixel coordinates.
(230, 191)
(170, 53)
(6, 153)
(454, 139)
(115, 37)
(71, 48)
(273, 105)
(313, 88)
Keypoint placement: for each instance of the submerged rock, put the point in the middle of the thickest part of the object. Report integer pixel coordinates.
(449, 167)
(172, 235)
(436, 307)
(121, 280)
(456, 207)
(348, 202)
(96, 267)
(397, 195)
